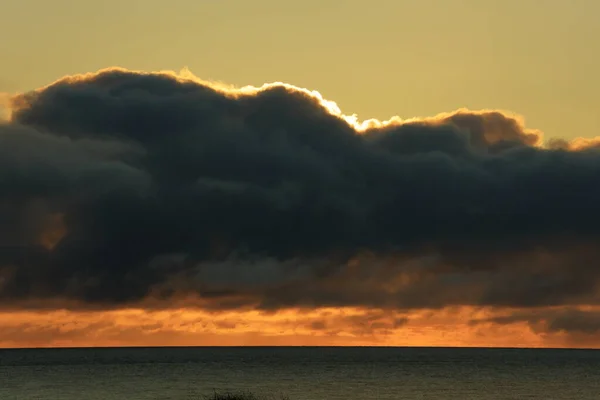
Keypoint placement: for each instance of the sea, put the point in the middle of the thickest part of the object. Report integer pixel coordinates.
(299, 373)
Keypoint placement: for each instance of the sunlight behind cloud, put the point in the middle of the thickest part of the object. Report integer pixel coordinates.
(264, 213)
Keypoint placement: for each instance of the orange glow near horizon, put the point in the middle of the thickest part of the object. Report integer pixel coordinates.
(449, 327)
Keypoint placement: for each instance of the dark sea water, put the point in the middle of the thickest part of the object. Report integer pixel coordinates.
(303, 373)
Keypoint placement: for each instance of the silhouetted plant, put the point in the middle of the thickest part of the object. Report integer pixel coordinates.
(241, 396)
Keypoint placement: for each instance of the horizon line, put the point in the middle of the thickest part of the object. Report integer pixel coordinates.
(297, 346)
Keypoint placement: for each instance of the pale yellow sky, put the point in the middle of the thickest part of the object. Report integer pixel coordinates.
(376, 58)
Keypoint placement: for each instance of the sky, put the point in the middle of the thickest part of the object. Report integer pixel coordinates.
(300, 173)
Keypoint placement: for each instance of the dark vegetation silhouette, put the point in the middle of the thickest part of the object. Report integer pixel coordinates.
(243, 395)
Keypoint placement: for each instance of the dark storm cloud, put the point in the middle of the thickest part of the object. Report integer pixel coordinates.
(569, 320)
(169, 187)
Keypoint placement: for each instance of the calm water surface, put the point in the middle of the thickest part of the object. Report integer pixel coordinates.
(303, 373)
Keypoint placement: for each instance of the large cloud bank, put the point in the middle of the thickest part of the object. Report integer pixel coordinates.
(121, 188)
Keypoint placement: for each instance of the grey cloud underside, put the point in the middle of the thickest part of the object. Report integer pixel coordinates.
(566, 320)
(170, 187)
